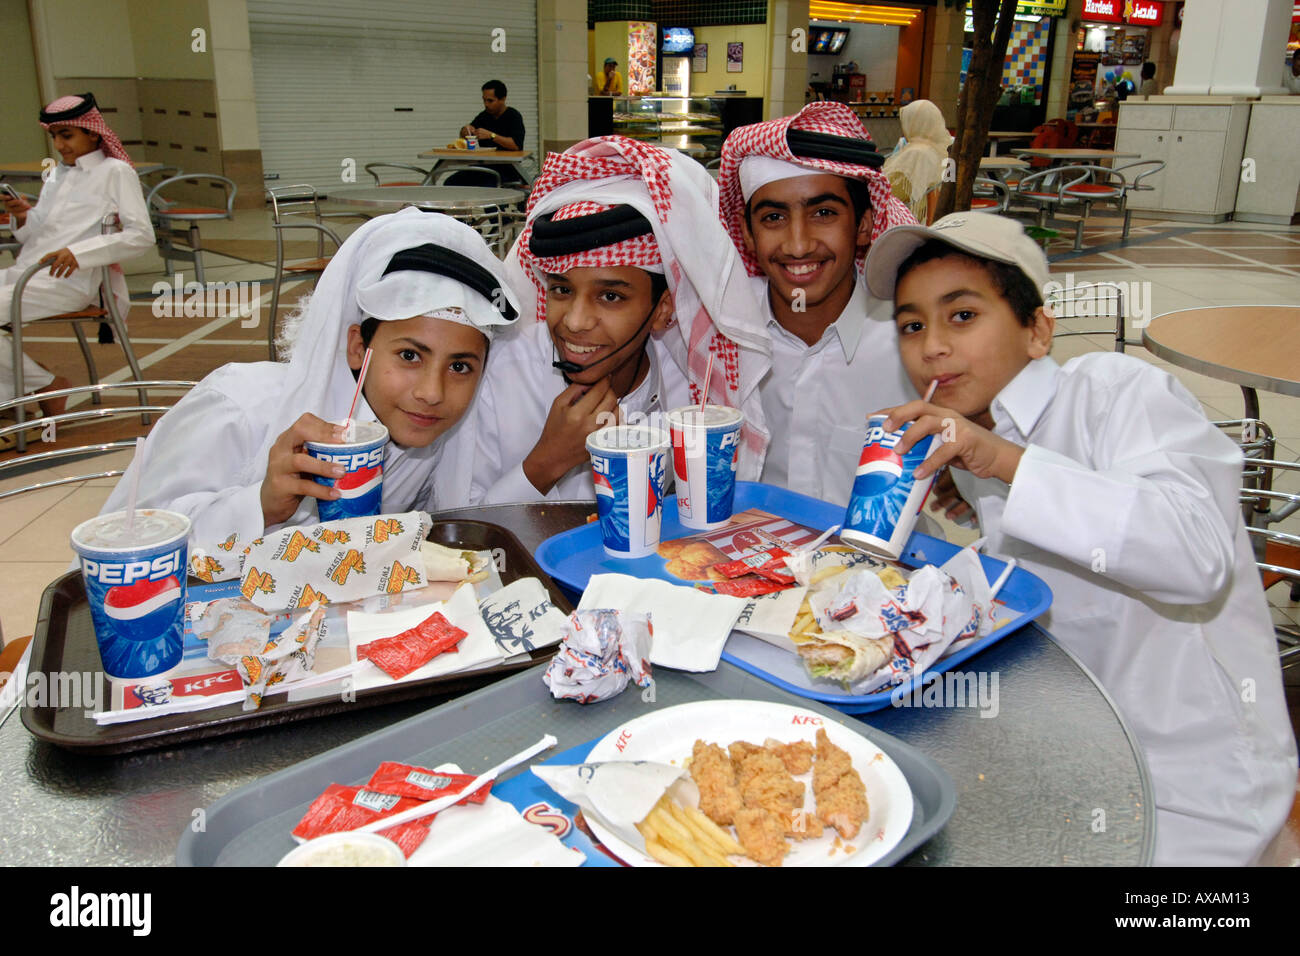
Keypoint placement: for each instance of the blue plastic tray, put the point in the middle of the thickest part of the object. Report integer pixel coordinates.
(573, 556)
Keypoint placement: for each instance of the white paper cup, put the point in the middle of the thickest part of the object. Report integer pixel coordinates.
(706, 449)
(627, 465)
(346, 849)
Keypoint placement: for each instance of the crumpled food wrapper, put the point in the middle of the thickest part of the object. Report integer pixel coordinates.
(335, 561)
(927, 617)
(232, 627)
(603, 649)
(289, 656)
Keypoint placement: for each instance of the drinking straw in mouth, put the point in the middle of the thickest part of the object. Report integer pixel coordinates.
(929, 392)
(708, 374)
(134, 487)
(361, 378)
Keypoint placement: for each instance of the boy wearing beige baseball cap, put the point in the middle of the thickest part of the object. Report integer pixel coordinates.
(1104, 478)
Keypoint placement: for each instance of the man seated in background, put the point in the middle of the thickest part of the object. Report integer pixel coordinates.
(610, 83)
(498, 126)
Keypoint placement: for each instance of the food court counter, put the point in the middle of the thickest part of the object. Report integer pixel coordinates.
(1046, 773)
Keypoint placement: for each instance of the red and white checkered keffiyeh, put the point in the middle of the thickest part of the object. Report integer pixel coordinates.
(769, 139)
(92, 120)
(712, 300)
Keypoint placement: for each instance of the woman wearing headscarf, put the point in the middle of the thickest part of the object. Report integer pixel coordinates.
(915, 172)
(426, 294)
(94, 179)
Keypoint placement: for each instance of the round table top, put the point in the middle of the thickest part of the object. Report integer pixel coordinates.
(1002, 162)
(1077, 153)
(1031, 772)
(478, 155)
(1251, 345)
(35, 169)
(426, 197)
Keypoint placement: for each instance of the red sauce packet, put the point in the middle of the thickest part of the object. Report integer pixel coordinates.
(748, 587)
(342, 808)
(752, 562)
(397, 656)
(406, 780)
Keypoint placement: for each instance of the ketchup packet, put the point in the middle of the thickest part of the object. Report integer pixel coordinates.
(749, 586)
(397, 656)
(342, 808)
(752, 562)
(405, 780)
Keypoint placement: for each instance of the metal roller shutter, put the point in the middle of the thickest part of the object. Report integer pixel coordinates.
(381, 80)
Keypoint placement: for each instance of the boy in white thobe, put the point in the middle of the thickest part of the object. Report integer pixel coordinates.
(1104, 478)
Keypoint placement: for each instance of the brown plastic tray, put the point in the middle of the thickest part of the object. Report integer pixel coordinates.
(64, 641)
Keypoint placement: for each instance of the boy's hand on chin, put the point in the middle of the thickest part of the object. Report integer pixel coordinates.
(288, 467)
(576, 412)
(965, 444)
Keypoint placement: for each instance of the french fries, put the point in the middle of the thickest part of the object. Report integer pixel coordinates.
(678, 836)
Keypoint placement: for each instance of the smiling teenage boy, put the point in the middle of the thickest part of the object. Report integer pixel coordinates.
(621, 237)
(803, 198)
(1104, 478)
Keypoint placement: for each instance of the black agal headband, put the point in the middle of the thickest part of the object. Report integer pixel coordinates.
(552, 238)
(81, 109)
(447, 262)
(841, 149)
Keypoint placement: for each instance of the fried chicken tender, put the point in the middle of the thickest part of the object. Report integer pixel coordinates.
(714, 775)
(840, 794)
(762, 834)
(741, 749)
(797, 757)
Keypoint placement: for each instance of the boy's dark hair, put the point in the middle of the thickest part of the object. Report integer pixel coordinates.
(497, 87)
(1148, 70)
(658, 286)
(1016, 288)
(859, 197)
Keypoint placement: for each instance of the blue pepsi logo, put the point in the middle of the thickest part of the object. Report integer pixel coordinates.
(128, 572)
(130, 602)
(363, 459)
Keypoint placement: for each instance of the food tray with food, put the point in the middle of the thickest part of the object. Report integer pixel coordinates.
(64, 644)
(252, 826)
(572, 557)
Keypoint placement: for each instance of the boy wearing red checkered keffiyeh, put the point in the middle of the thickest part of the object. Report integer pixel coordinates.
(623, 253)
(803, 198)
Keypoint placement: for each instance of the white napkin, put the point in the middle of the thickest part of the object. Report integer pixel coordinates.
(461, 609)
(690, 627)
(619, 793)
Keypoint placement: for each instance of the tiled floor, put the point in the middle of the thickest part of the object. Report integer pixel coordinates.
(1174, 266)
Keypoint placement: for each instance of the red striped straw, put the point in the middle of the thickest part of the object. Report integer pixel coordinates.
(361, 378)
(708, 374)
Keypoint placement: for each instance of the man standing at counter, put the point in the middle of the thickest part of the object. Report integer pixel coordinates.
(803, 197)
(498, 126)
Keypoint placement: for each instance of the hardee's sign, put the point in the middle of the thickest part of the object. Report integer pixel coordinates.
(1146, 13)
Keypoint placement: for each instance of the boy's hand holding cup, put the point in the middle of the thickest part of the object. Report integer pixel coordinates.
(289, 467)
(964, 444)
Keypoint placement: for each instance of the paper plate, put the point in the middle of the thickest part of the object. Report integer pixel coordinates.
(668, 735)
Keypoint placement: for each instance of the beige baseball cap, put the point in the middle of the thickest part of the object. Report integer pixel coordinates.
(981, 234)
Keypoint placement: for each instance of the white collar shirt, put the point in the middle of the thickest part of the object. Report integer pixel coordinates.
(1125, 504)
(816, 399)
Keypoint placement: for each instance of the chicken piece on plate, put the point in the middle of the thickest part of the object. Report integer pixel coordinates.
(715, 777)
(797, 756)
(762, 834)
(741, 749)
(840, 794)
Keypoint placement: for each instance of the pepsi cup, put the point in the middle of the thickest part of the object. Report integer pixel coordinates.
(706, 449)
(361, 489)
(886, 499)
(627, 468)
(135, 584)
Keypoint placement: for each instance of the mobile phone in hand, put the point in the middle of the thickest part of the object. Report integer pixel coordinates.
(9, 191)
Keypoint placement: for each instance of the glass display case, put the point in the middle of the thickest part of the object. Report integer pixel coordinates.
(692, 124)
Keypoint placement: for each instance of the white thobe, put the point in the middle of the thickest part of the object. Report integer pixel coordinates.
(1125, 503)
(205, 458)
(69, 214)
(816, 399)
(515, 399)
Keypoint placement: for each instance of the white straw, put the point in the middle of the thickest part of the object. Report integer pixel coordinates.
(833, 529)
(134, 487)
(361, 378)
(442, 803)
(1002, 578)
(929, 392)
(708, 374)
